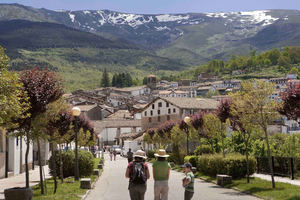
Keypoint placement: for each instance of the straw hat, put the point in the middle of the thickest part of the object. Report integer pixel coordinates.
(140, 154)
(161, 153)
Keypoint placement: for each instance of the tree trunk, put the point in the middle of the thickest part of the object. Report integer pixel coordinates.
(247, 163)
(270, 158)
(223, 148)
(26, 159)
(61, 165)
(40, 166)
(53, 160)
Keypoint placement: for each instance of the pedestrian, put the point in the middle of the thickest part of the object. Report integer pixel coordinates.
(161, 174)
(110, 154)
(188, 181)
(115, 154)
(138, 173)
(129, 155)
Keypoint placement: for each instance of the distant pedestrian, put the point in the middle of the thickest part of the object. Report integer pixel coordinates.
(161, 174)
(138, 173)
(110, 154)
(188, 181)
(129, 155)
(115, 154)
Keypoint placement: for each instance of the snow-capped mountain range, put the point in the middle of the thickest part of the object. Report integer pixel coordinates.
(193, 36)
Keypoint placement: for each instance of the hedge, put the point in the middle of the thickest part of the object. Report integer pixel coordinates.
(85, 160)
(203, 149)
(191, 159)
(233, 165)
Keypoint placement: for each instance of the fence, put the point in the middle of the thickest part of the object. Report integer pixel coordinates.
(288, 167)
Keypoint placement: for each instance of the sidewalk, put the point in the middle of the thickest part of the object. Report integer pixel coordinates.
(19, 180)
(277, 179)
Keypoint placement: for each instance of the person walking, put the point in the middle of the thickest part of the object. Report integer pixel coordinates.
(115, 154)
(138, 174)
(110, 154)
(161, 174)
(188, 181)
(129, 155)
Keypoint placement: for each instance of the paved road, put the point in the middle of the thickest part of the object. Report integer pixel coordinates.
(112, 185)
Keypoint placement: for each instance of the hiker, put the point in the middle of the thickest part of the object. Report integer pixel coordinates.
(138, 173)
(110, 154)
(161, 174)
(115, 154)
(188, 181)
(129, 155)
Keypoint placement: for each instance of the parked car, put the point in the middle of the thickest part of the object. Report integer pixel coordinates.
(117, 149)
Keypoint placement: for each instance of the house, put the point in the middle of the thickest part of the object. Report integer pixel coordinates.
(173, 93)
(94, 112)
(184, 82)
(174, 108)
(109, 131)
(133, 91)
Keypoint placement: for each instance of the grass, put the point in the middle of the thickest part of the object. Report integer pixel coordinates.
(260, 188)
(70, 190)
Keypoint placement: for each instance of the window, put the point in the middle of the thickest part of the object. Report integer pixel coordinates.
(145, 113)
(158, 118)
(167, 104)
(174, 110)
(158, 112)
(168, 117)
(150, 119)
(151, 112)
(153, 106)
(169, 111)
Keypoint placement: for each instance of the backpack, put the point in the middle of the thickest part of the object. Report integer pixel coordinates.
(139, 173)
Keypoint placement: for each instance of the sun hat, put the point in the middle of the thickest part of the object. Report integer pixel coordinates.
(189, 165)
(161, 153)
(140, 154)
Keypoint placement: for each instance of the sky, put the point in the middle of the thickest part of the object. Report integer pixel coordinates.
(161, 6)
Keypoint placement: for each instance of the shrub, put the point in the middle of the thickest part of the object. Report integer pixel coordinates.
(233, 165)
(85, 160)
(177, 158)
(150, 154)
(191, 159)
(203, 149)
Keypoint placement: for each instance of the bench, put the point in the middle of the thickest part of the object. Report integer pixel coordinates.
(85, 183)
(223, 180)
(100, 166)
(96, 172)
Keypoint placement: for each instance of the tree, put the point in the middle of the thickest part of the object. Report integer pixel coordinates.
(291, 103)
(42, 87)
(223, 113)
(263, 111)
(214, 128)
(13, 99)
(105, 82)
(242, 120)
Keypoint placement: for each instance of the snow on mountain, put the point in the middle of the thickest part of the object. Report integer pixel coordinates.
(171, 18)
(251, 17)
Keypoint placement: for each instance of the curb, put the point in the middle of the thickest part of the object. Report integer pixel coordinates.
(92, 186)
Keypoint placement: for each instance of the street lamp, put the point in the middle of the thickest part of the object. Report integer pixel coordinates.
(187, 120)
(76, 112)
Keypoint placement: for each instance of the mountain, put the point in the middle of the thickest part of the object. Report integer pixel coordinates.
(88, 41)
(192, 38)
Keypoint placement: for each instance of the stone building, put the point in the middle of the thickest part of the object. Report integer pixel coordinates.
(2, 153)
(171, 108)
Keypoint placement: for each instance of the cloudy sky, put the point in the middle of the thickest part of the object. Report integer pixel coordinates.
(161, 6)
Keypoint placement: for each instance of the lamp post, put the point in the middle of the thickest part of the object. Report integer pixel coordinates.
(187, 120)
(76, 112)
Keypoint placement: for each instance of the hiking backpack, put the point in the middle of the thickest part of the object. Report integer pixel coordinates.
(139, 173)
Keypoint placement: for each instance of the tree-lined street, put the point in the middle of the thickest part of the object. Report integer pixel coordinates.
(112, 185)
